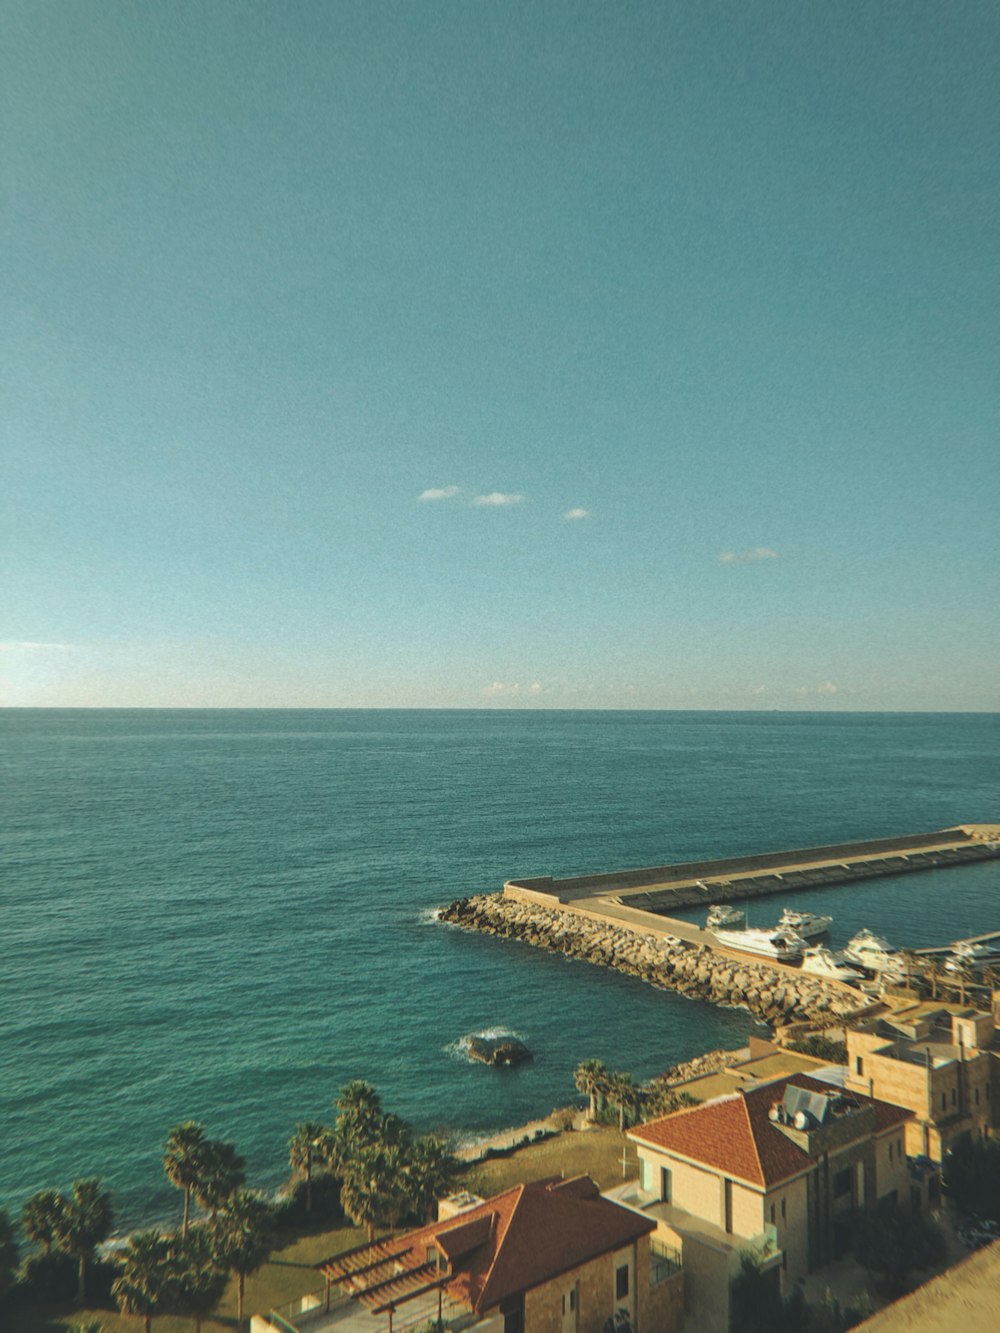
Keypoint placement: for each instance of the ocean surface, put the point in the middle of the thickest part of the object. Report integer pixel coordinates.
(225, 915)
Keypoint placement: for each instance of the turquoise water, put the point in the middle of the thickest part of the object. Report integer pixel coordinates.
(225, 915)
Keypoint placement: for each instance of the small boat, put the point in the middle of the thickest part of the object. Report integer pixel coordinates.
(821, 962)
(784, 945)
(721, 914)
(806, 924)
(874, 953)
(965, 954)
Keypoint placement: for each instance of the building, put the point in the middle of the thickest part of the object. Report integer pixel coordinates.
(553, 1256)
(775, 1170)
(940, 1061)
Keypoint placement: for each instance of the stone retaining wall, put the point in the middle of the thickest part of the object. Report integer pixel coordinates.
(769, 993)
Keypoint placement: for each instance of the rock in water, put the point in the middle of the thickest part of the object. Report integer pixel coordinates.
(498, 1051)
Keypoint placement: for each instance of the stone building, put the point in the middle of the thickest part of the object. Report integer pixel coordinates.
(776, 1170)
(553, 1256)
(942, 1062)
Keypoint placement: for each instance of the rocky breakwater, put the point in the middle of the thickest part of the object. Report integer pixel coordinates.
(772, 994)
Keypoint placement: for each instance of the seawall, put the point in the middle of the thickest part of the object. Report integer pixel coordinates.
(773, 994)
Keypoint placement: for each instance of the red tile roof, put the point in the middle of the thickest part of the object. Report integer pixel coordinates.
(733, 1134)
(520, 1239)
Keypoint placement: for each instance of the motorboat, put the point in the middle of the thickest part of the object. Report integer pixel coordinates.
(874, 953)
(721, 914)
(965, 954)
(822, 962)
(806, 924)
(784, 945)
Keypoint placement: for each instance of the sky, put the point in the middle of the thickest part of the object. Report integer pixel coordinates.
(573, 355)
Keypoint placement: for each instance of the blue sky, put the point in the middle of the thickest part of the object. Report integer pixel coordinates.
(701, 297)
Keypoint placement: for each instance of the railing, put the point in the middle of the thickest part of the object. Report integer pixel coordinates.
(300, 1313)
(761, 1250)
(664, 1262)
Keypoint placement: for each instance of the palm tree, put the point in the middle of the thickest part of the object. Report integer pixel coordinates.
(147, 1281)
(86, 1220)
(243, 1237)
(592, 1080)
(306, 1148)
(368, 1189)
(8, 1254)
(200, 1280)
(660, 1099)
(624, 1094)
(182, 1159)
(42, 1217)
(221, 1175)
(430, 1174)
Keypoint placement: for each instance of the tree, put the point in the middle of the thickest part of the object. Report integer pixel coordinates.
(431, 1173)
(86, 1220)
(360, 1121)
(305, 1149)
(891, 1242)
(147, 1283)
(242, 1238)
(221, 1175)
(42, 1218)
(369, 1188)
(972, 1176)
(661, 1099)
(623, 1093)
(200, 1281)
(592, 1080)
(8, 1255)
(183, 1159)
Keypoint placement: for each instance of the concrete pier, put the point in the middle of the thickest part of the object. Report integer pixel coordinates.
(659, 890)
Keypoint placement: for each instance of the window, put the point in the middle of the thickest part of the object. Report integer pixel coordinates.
(782, 1210)
(890, 1151)
(977, 1096)
(859, 1065)
(569, 1301)
(665, 1184)
(944, 1102)
(842, 1182)
(953, 1096)
(772, 1212)
(621, 1282)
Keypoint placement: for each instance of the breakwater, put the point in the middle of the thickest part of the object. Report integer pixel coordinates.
(663, 889)
(776, 995)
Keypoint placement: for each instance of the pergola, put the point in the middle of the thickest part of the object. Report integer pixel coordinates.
(384, 1276)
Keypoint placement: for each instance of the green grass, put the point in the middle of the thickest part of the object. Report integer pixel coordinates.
(291, 1273)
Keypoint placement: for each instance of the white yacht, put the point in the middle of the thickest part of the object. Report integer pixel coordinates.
(874, 953)
(784, 945)
(721, 914)
(806, 924)
(966, 954)
(821, 962)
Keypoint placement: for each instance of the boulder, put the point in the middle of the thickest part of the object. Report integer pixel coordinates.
(501, 1052)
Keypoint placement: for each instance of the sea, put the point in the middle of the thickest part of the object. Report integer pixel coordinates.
(226, 915)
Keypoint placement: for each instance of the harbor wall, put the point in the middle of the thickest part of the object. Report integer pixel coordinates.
(693, 883)
(774, 994)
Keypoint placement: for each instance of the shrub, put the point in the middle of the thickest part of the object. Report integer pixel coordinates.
(972, 1176)
(823, 1048)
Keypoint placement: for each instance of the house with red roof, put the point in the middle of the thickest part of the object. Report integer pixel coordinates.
(776, 1169)
(552, 1256)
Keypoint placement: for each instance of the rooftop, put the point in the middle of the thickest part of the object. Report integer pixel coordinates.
(504, 1245)
(736, 1135)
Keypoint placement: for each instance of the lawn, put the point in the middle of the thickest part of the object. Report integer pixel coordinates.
(291, 1273)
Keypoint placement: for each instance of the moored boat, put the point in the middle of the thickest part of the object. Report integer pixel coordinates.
(806, 924)
(822, 962)
(965, 954)
(722, 914)
(874, 953)
(783, 945)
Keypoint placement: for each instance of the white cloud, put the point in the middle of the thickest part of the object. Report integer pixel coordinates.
(497, 498)
(827, 687)
(28, 646)
(746, 557)
(439, 493)
(573, 514)
(513, 687)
